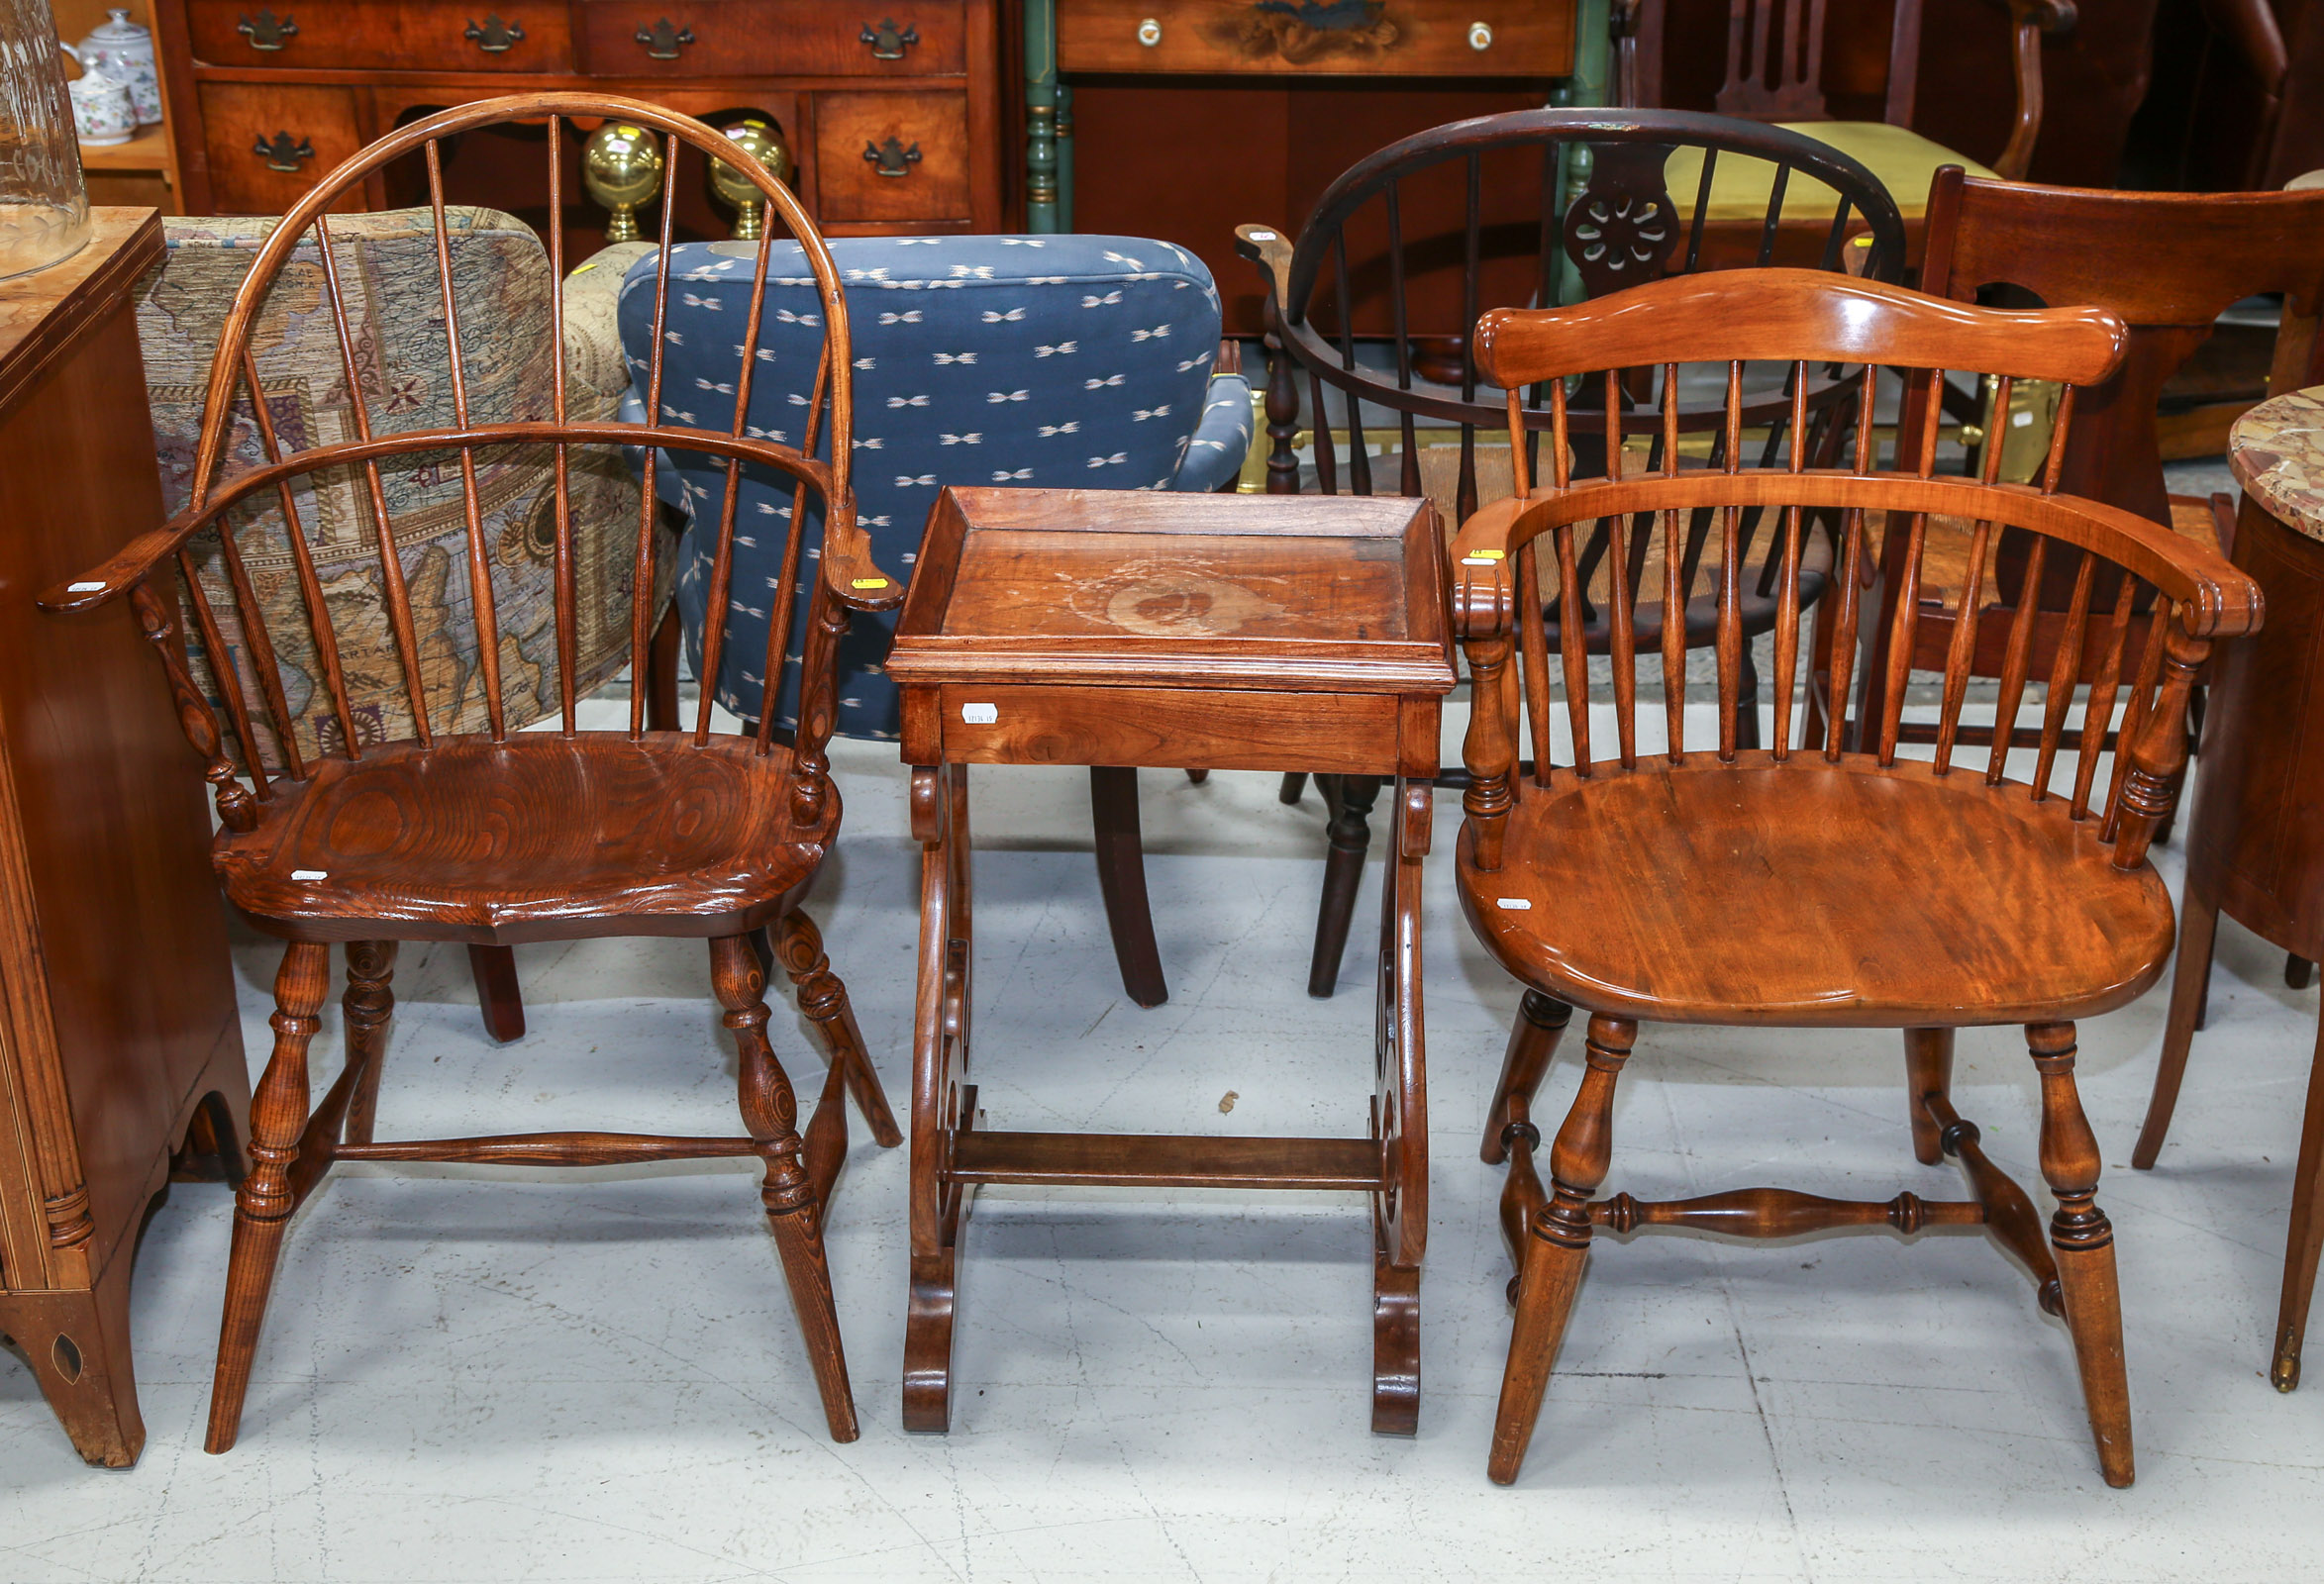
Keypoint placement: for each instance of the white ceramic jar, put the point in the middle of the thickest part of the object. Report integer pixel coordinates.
(124, 51)
(102, 111)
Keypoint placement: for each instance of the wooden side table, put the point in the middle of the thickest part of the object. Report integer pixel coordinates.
(2255, 845)
(118, 1028)
(1115, 628)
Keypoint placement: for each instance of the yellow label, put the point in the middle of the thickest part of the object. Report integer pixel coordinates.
(869, 582)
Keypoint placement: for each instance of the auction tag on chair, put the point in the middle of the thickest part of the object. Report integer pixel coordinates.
(1515, 904)
(980, 714)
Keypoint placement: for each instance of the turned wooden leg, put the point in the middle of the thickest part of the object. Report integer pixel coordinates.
(2298, 971)
(1294, 784)
(772, 1113)
(1351, 804)
(1928, 1070)
(662, 673)
(1121, 879)
(369, 1003)
(2190, 984)
(263, 1203)
(1533, 1042)
(1559, 1245)
(799, 947)
(502, 1003)
(2082, 1240)
(2306, 1234)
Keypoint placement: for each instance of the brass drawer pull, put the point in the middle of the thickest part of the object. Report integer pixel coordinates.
(663, 42)
(496, 37)
(1480, 36)
(280, 153)
(886, 43)
(268, 32)
(891, 158)
(1149, 33)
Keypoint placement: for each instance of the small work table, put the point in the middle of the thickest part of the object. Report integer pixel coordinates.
(1120, 628)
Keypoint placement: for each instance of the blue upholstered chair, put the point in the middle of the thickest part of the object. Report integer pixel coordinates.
(1049, 362)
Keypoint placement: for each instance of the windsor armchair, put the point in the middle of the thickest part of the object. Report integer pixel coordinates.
(492, 837)
(1618, 230)
(1805, 884)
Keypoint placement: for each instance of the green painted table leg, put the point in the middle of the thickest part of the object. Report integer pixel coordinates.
(1041, 117)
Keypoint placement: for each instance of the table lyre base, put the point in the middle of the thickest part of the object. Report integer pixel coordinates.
(954, 1154)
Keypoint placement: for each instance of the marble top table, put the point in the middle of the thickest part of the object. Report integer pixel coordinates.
(2276, 451)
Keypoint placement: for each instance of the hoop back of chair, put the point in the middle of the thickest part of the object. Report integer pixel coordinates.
(385, 439)
(1806, 317)
(1622, 226)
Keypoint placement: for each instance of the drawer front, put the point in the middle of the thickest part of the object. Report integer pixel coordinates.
(1215, 729)
(772, 38)
(304, 131)
(1366, 38)
(891, 156)
(394, 35)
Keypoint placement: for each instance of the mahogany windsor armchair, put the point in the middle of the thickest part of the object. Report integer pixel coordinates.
(1623, 227)
(498, 837)
(1804, 884)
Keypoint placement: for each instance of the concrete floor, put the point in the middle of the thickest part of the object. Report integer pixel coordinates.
(473, 1375)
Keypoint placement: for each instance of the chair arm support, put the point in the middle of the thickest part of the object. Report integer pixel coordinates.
(2158, 757)
(848, 567)
(1268, 248)
(128, 567)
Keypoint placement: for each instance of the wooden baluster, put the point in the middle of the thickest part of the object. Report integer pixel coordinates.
(568, 588)
(1359, 450)
(1674, 581)
(2082, 1240)
(2135, 712)
(1787, 581)
(642, 567)
(786, 579)
(1961, 654)
(2159, 756)
(1702, 212)
(722, 566)
(1730, 608)
(1464, 490)
(1574, 650)
(2099, 709)
(1533, 660)
(2064, 671)
(222, 668)
(310, 593)
(1908, 597)
(391, 580)
(1488, 751)
(1327, 465)
(1775, 216)
(1836, 237)
(484, 609)
(237, 810)
(2017, 659)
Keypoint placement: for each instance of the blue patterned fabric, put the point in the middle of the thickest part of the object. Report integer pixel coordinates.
(1047, 362)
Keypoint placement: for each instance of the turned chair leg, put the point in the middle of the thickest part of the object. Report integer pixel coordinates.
(2190, 984)
(2305, 1236)
(2298, 971)
(799, 947)
(1351, 800)
(369, 1003)
(1121, 881)
(772, 1113)
(1558, 1246)
(1928, 1070)
(2082, 1240)
(1294, 784)
(502, 1003)
(263, 1203)
(1533, 1042)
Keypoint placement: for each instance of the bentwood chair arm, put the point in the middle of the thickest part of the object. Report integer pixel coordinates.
(847, 569)
(1270, 249)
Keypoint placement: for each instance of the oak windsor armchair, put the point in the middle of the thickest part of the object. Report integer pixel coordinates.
(1805, 884)
(1631, 221)
(492, 837)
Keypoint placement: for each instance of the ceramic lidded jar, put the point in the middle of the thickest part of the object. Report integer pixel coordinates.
(43, 202)
(121, 48)
(102, 111)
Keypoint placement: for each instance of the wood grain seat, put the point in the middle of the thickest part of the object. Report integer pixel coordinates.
(540, 838)
(2033, 916)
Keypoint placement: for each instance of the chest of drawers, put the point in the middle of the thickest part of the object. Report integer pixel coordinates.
(266, 96)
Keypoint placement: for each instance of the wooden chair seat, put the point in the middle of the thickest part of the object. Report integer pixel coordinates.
(1903, 159)
(2023, 917)
(543, 837)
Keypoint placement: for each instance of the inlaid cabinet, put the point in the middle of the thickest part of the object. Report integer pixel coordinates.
(891, 109)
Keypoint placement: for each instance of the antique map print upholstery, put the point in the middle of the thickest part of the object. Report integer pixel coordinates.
(386, 265)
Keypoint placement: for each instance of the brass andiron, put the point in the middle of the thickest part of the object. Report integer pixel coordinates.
(620, 168)
(765, 141)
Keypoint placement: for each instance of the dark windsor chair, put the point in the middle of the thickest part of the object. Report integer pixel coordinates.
(497, 838)
(1622, 226)
(1806, 884)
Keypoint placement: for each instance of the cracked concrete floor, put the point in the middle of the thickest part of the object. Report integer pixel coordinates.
(473, 1375)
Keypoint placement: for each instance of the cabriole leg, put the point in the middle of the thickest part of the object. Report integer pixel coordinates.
(772, 1113)
(1559, 1247)
(263, 1203)
(2082, 1240)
